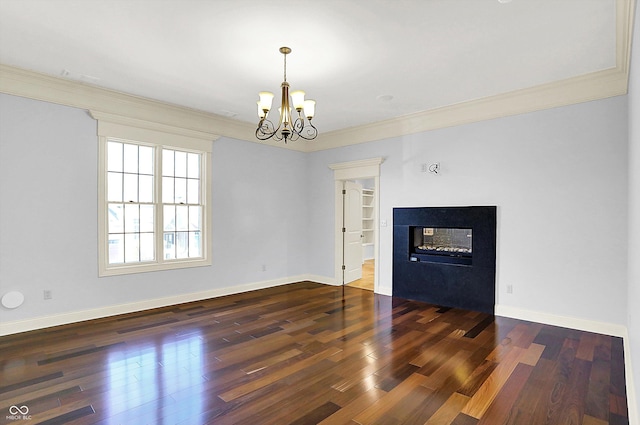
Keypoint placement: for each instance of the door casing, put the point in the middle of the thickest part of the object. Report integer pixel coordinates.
(354, 170)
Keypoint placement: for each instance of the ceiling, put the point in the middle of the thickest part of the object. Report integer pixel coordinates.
(363, 61)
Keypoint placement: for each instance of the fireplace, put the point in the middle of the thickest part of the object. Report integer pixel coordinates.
(446, 256)
(441, 244)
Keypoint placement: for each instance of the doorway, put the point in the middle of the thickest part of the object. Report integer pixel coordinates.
(356, 222)
(358, 244)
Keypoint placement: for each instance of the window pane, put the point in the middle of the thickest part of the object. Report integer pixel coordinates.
(193, 165)
(116, 249)
(147, 247)
(114, 186)
(146, 189)
(131, 218)
(182, 244)
(169, 213)
(194, 217)
(194, 245)
(147, 218)
(181, 191)
(130, 158)
(169, 246)
(167, 163)
(131, 248)
(167, 190)
(182, 217)
(181, 164)
(146, 160)
(114, 156)
(116, 218)
(193, 191)
(130, 188)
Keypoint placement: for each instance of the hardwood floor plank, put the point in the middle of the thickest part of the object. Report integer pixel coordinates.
(30, 382)
(353, 408)
(502, 406)
(590, 420)
(485, 395)
(463, 419)
(473, 332)
(550, 406)
(600, 380)
(311, 353)
(69, 416)
(477, 378)
(449, 410)
(390, 400)
(317, 415)
(92, 350)
(275, 376)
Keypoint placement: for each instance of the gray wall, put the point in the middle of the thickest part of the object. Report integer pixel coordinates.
(48, 216)
(559, 179)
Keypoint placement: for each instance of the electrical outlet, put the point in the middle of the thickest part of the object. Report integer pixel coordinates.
(509, 289)
(46, 294)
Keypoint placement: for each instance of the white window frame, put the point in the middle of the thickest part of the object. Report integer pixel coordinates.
(129, 130)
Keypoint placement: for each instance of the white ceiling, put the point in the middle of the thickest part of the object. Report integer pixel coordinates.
(351, 56)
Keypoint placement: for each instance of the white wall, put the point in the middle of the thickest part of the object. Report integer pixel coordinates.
(634, 209)
(48, 214)
(559, 179)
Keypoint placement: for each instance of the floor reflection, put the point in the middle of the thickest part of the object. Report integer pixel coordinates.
(158, 382)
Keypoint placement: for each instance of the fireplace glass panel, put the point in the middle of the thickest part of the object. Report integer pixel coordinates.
(444, 241)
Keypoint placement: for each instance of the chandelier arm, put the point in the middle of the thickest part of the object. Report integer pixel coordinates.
(267, 130)
(300, 128)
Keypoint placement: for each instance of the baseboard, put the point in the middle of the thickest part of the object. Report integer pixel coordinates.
(588, 326)
(564, 321)
(634, 414)
(8, 328)
(322, 279)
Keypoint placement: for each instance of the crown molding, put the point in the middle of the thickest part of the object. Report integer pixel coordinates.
(38, 86)
(592, 86)
(597, 85)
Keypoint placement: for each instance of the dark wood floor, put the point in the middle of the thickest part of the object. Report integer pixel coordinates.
(297, 354)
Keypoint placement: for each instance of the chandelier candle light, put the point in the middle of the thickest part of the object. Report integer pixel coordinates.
(288, 127)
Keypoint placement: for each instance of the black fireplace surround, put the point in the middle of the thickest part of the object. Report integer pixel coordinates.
(446, 256)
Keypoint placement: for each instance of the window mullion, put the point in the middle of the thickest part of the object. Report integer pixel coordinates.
(159, 210)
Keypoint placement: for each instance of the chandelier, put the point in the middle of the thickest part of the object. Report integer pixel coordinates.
(289, 127)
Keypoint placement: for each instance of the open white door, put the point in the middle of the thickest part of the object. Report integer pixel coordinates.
(352, 224)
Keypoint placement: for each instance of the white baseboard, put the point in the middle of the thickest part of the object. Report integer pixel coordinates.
(588, 326)
(564, 321)
(322, 279)
(8, 328)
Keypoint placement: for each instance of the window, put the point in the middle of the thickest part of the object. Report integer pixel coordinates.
(153, 201)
